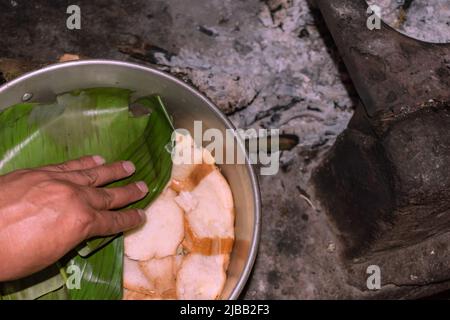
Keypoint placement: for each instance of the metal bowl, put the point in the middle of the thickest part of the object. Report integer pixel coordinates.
(185, 105)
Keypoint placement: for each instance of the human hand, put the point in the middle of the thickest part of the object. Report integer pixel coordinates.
(45, 212)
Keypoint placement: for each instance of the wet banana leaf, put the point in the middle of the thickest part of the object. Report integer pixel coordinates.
(91, 121)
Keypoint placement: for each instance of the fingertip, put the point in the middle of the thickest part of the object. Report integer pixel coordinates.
(99, 160)
(142, 186)
(113, 222)
(142, 215)
(135, 220)
(129, 167)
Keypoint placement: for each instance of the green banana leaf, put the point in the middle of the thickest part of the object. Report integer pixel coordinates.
(90, 121)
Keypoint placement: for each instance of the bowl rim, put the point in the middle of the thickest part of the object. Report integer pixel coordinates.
(237, 290)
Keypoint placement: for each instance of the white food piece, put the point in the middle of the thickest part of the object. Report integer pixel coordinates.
(163, 231)
(154, 278)
(186, 156)
(134, 278)
(209, 207)
(186, 201)
(201, 277)
(161, 273)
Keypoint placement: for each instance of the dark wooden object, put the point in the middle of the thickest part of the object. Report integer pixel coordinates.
(385, 184)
